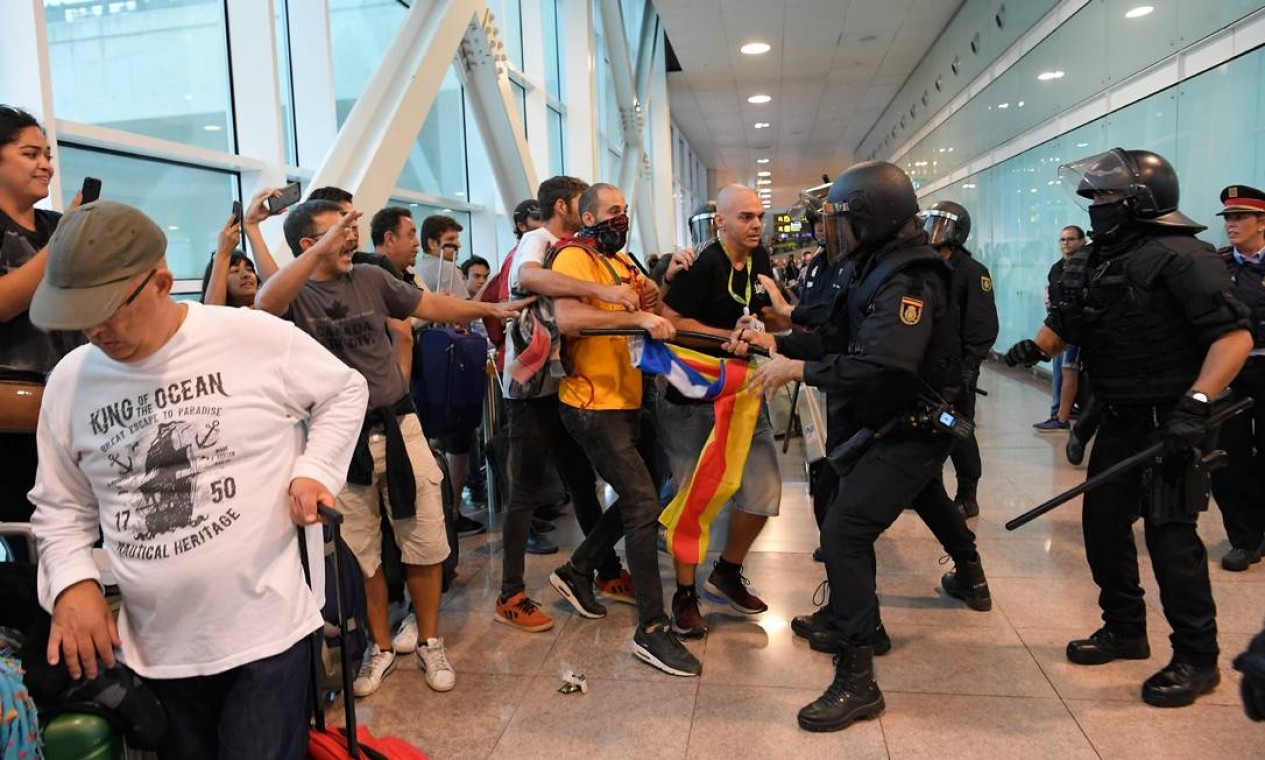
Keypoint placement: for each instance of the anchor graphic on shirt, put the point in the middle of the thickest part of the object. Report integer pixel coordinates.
(123, 468)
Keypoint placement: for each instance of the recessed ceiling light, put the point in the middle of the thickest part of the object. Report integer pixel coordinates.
(1082, 145)
(759, 99)
(765, 173)
(1046, 76)
(968, 186)
(755, 48)
(1139, 12)
(173, 228)
(459, 193)
(762, 160)
(212, 127)
(1003, 105)
(762, 125)
(412, 205)
(445, 211)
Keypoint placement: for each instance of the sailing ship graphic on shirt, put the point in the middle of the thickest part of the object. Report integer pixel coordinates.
(169, 485)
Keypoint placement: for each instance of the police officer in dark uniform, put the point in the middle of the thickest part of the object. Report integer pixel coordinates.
(1162, 334)
(1239, 487)
(889, 360)
(948, 225)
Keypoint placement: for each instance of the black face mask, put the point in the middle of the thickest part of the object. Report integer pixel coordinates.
(609, 236)
(1108, 222)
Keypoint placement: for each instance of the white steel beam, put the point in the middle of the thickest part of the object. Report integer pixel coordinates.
(373, 145)
(491, 101)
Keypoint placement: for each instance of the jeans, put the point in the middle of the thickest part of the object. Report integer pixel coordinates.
(256, 711)
(537, 441)
(610, 439)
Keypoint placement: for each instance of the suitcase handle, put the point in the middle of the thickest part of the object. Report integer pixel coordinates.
(334, 519)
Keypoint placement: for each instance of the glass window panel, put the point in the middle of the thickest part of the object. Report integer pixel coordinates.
(113, 65)
(520, 99)
(422, 210)
(553, 51)
(360, 31)
(190, 204)
(509, 21)
(557, 144)
(285, 72)
(437, 162)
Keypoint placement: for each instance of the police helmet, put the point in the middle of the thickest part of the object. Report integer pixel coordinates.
(1146, 182)
(703, 223)
(946, 223)
(866, 206)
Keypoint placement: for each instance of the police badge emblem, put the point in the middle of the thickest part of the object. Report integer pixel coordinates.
(910, 310)
(986, 283)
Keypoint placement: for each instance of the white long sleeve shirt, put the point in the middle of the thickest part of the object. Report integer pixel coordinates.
(182, 461)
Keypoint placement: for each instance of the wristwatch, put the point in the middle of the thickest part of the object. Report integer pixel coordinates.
(1199, 396)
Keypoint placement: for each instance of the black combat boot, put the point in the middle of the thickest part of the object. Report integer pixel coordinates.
(965, 500)
(828, 641)
(1104, 646)
(1180, 684)
(966, 581)
(851, 697)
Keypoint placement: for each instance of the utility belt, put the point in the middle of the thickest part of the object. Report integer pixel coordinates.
(929, 418)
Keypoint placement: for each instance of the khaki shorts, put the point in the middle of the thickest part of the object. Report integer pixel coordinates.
(423, 539)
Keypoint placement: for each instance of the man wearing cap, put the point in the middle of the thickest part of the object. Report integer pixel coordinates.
(193, 453)
(1239, 487)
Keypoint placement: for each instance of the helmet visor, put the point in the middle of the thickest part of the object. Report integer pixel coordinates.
(941, 226)
(840, 240)
(702, 227)
(1101, 178)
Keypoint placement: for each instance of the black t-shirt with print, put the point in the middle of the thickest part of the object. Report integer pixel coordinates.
(24, 348)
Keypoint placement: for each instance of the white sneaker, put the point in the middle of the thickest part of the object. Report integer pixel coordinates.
(405, 641)
(378, 663)
(433, 659)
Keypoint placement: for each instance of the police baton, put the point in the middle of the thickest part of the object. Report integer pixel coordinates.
(702, 337)
(1124, 465)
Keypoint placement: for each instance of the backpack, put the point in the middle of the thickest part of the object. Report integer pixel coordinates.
(449, 380)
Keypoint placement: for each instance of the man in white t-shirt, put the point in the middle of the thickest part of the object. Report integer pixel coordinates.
(537, 439)
(178, 437)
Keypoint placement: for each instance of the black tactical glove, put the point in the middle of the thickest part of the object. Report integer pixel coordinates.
(1252, 665)
(1025, 353)
(1187, 427)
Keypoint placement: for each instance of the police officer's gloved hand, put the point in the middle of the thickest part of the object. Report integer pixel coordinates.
(1187, 427)
(1252, 665)
(1025, 353)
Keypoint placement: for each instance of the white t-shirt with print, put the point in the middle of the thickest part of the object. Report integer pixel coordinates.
(182, 462)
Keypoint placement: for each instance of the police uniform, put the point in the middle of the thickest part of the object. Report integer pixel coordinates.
(1239, 486)
(1144, 304)
(972, 286)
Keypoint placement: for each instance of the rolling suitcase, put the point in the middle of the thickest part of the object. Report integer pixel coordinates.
(352, 741)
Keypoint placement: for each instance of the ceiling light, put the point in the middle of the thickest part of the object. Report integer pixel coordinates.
(764, 182)
(459, 193)
(755, 48)
(445, 211)
(172, 228)
(1003, 105)
(765, 173)
(920, 163)
(762, 125)
(762, 160)
(968, 186)
(212, 127)
(1046, 76)
(759, 99)
(1139, 12)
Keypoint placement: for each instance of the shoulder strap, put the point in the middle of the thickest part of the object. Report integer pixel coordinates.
(887, 267)
(581, 243)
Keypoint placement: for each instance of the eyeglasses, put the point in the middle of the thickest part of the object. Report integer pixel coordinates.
(139, 288)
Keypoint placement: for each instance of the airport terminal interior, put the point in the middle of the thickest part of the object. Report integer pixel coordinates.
(459, 110)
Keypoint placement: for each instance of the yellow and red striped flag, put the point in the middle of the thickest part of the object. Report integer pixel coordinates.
(718, 474)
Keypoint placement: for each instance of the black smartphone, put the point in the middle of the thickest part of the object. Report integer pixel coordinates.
(237, 213)
(91, 190)
(289, 196)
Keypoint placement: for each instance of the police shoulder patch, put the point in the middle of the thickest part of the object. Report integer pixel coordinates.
(910, 310)
(986, 283)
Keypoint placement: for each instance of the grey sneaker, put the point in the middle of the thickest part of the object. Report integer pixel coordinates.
(432, 658)
(657, 645)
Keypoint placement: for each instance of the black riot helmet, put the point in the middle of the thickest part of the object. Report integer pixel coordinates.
(866, 206)
(1134, 188)
(703, 224)
(946, 223)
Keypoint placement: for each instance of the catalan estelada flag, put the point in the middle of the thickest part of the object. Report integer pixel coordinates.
(718, 473)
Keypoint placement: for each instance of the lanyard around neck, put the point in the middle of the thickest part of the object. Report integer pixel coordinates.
(744, 302)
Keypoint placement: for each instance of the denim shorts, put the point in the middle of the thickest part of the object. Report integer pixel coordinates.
(683, 430)
(1072, 358)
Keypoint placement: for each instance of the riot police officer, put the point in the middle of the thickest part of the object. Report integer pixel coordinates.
(1240, 486)
(889, 360)
(1162, 334)
(948, 225)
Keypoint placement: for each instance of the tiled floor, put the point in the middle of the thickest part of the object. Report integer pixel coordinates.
(957, 683)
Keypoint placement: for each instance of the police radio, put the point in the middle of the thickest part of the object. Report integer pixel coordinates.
(943, 419)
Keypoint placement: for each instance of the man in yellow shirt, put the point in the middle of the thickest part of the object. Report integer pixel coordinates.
(601, 407)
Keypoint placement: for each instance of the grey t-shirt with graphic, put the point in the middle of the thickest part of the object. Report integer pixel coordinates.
(348, 315)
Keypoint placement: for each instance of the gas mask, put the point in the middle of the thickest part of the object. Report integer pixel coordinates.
(609, 236)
